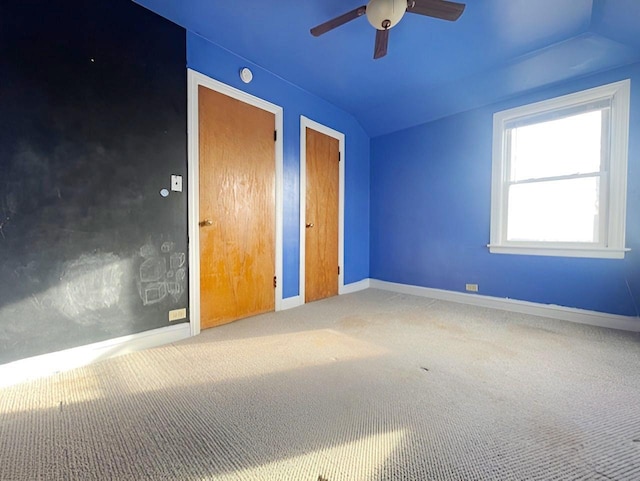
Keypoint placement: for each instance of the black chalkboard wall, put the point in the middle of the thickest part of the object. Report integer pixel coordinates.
(92, 126)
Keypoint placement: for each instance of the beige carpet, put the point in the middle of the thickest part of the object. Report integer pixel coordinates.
(368, 386)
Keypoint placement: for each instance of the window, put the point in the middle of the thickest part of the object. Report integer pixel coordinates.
(560, 175)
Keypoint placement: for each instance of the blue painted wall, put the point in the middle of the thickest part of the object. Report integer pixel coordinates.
(430, 214)
(220, 64)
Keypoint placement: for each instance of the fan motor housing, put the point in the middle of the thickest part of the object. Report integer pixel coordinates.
(384, 14)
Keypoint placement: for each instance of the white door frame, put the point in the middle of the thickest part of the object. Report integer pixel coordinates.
(304, 123)
(195, 79)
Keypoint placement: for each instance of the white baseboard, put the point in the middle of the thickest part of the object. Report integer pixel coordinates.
(582, 316)
(296, 301)
(355, 286)
(290, 303)
(47, 364)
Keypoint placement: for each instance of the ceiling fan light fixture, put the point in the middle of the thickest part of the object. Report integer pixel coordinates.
(384, 14)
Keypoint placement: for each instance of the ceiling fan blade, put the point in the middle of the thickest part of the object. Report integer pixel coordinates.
(336, 22)
(436, 8)
(382, 41)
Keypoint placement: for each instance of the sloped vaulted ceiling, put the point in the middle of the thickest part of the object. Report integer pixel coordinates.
(434, 68)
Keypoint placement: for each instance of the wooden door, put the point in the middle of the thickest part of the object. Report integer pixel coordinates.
(237, 208)
(321, 228)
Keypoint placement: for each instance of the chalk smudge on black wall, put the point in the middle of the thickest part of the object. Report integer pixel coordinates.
(92, 125)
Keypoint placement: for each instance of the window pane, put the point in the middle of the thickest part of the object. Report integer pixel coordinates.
(555, 211)
(571, 145)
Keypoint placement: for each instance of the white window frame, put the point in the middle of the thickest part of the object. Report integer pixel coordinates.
(613, 244)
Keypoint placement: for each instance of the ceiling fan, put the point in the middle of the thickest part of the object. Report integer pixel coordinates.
(384, 14)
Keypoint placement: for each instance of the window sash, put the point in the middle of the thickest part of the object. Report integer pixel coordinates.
(604, 107)
(601, 236)
(605, 138)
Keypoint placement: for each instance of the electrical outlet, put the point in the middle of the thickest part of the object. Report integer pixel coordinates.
(177, 314)
(176, 183)
(472, 287)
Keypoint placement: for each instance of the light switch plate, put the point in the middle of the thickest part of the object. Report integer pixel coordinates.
(176, 183)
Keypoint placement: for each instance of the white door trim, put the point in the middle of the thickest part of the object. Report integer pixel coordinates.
(194, 79)
(304, 123)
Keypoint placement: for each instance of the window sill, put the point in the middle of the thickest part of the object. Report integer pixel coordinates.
(593, 252)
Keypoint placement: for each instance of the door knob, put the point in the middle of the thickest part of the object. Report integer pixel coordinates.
(206, 222)
(308, 226)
